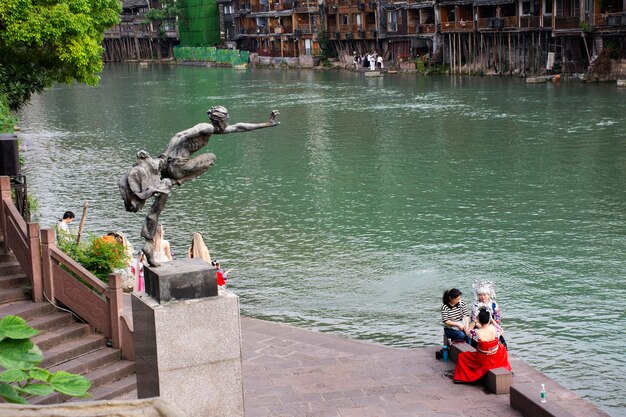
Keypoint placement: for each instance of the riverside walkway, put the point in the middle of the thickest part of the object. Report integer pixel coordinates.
(288, 371)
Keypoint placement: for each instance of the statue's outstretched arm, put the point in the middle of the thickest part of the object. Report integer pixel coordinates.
(246, 127)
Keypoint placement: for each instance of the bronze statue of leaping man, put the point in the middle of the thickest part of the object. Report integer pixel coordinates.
(155, 177)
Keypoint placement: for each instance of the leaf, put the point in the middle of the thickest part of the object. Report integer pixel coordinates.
(13, 375)
(37, 389)
(15, 327)
(69, 384)
(40, 374)
(10, 395)
(19, 354)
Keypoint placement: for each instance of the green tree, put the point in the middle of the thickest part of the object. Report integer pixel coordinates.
(47, 41)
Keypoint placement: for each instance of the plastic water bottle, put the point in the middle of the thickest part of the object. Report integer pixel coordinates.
(543, 393)
(444, 355)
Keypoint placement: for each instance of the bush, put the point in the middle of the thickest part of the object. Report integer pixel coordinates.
(420, 66)
(21, 377)
(99, 255)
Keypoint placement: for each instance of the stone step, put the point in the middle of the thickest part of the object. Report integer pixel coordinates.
(14, 280)
(50, 338)
(8, 295)
(71, 349)
(5, 257)
(130, 395)
(92, 360)
(100, 377)
(113, 390)
(27, 309)
(108, 374)
(10, 267)
(51, 321)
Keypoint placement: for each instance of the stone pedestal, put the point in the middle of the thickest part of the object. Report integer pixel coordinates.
(184, 279)
(188, 352)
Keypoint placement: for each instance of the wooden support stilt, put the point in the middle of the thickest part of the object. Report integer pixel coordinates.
(510, 55)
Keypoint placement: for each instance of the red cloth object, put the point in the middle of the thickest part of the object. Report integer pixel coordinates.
(471, 366)
(221, 279)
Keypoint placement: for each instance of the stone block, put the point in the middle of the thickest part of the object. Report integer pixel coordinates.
(184, 279)
(525, 398)
(457, 348)
(499, 380)
(189, 353)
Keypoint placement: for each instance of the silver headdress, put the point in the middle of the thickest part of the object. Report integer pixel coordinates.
(484, 287)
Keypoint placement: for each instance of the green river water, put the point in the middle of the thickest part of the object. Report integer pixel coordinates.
(372, 197)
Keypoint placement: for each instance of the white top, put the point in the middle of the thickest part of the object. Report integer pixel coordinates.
(159, 255)
(64, 226)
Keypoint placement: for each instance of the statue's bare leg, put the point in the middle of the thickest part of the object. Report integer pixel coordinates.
(150, 227)
(182, 171)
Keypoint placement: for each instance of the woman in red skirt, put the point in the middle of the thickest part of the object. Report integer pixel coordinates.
(490, 353)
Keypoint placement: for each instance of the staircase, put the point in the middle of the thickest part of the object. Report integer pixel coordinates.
(66, 343)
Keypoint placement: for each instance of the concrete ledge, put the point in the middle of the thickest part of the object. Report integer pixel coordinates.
(525, 399)
(497, 381)
(152, 407)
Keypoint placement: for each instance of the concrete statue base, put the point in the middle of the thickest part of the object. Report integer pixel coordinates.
(183, 279)
(189, 353)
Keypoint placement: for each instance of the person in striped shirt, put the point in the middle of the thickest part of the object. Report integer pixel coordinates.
(454, 315)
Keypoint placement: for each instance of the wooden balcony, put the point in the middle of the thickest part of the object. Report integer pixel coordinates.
(307, 29)
(566, 23)
(609, 20)
(495, 23)
(348, 28)
(303, 6)
(510, 22)
(422, 29)
(484, 23)
(529, 22)
(458, 26)
(547, 21)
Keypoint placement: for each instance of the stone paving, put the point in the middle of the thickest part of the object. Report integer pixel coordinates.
(295, 372)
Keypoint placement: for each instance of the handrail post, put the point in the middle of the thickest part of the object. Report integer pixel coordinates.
(47, 241)
(116, 307)
(5, 192)
(32, 231)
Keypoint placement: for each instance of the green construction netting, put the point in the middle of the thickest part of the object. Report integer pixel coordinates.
(200, 24)
(211, 54)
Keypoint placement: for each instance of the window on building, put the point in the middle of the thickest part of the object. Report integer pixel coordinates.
(344, 19)
(392, 21)
(546, 8)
